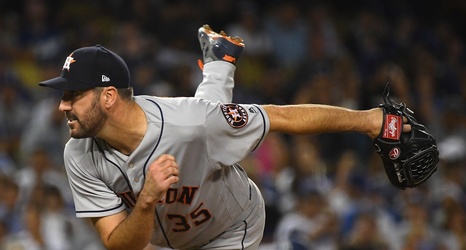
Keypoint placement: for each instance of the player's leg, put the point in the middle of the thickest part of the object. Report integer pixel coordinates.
(220, 54)
(247, 232)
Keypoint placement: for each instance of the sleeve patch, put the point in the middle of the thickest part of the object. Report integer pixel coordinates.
(235, 115)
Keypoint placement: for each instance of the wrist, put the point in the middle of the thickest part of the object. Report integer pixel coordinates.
(374, 123)
(146, 201)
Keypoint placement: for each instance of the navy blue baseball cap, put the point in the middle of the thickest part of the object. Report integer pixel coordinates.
(90, 67)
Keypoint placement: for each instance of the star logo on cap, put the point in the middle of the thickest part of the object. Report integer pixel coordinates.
(68, 62)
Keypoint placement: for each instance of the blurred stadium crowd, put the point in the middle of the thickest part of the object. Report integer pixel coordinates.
(324, 191)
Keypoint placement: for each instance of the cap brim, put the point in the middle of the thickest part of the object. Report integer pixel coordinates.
(61, 83)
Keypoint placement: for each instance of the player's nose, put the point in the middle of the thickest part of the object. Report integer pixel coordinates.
(64, 106)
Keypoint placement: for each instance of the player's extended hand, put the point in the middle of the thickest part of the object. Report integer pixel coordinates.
(161, 174)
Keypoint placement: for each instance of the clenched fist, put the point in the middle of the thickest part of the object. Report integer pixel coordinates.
(161, 174)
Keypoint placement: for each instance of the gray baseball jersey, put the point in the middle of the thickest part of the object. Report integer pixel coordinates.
(207, 139)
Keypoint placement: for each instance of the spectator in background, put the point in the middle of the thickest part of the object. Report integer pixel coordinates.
(288, 32)
(256, 58)
(148, 81)
(311, 225)
(7, 163)
(38, 34)
(250, 28)
(14, 113)
(366, 36)
(452, 134)
(311, 170)
(39, 173)
(10, 212)
(324, 37)
(365, 234)
(424, 82)
(454, 229)
(43, 228)
(42, 219)
(49, 132)
(449, 204)
(4, 234)
(399, 84)
(30, 236)
(56, 228)
(135, 44)
(348, 186)
(416, 230)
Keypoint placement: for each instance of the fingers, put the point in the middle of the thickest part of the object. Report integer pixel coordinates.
(164, 170)
(160, 175)
(163, 158)
(406, 125)
(166, 163)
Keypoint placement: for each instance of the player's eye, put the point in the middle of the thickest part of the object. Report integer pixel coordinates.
(69, 95)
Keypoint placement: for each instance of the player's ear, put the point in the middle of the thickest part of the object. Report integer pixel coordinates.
(109, 95)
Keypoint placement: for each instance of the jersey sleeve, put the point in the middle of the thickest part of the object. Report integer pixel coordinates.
(234, 130)
(92, 197)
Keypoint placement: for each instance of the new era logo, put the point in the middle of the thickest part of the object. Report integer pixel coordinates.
(105, 78)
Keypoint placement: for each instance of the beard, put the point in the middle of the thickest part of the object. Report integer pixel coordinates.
(90, 123)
